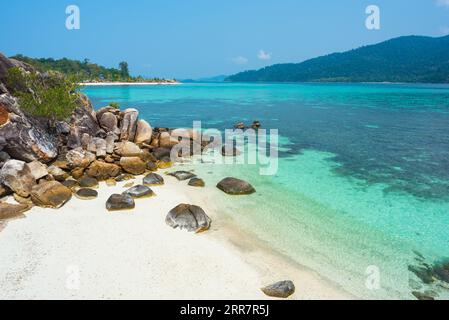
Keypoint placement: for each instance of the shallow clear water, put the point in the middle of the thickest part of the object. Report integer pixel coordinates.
(363, 176)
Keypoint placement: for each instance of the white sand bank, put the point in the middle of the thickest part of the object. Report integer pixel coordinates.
(134, 255)
(99, 84)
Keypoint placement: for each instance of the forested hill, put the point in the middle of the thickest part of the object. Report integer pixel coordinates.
(404, 59)
(84, 70)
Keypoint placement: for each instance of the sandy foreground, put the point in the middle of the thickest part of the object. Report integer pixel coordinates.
(83, 252)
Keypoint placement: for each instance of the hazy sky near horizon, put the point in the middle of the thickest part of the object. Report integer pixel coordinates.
(198, 38)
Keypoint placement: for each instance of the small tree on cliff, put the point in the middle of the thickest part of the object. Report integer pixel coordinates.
(50, 95)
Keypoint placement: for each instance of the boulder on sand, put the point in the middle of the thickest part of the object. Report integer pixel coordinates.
(182, 175)
(139, 192)
(118, 202)
(50, 194)
(197, 182)
(88, 182)
(235, 186)
(153, 179)
(282, 289)
(133, 165)
(12, 211)
(188, 217)
(17, 176)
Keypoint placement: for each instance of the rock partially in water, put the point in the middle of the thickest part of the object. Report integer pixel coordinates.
(197, 182)
(188, 217)
(118, 202)
(88, 182)
(133, 165)
(282, 289)
(12, 211)
(86, 194)
(153, 179)
(139, 192)
(50, 194)
(182, 175)
(235, 186)
(17, 176)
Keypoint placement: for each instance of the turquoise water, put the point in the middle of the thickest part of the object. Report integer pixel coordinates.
(363, 174)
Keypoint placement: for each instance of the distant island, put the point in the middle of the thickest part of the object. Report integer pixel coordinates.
(88, 72)
(410, 59)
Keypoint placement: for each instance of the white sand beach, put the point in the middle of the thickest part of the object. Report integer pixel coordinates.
(81, 251)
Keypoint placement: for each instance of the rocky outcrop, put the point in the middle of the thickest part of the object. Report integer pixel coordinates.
(188, 217)
(26, 138)
(133, 165)
(282, 289)
(118, 202)
(50, 194)
(12, 211)
(144, 132)
(103, 171)
(79, 158)
(235, 186)
(17, 176)
(128, 125)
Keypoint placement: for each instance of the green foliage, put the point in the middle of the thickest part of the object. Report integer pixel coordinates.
(85, 71)
(115, 105)
(404, 59)
(50, 95)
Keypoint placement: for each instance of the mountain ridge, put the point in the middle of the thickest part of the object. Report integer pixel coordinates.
(403, 59)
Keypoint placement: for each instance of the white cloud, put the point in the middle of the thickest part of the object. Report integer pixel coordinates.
(240, 60)
(443, 3)
(262, 55)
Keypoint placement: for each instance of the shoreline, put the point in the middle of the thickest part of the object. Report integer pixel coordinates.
(107, 84)
(126, 255)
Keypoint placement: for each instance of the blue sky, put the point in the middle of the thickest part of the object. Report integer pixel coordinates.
(196, 38)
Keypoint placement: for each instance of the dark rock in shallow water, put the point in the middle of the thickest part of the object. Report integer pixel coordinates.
(423, 296)
(235, 186)
(182, 175)
(139, 191)
(197, 182)
(442, 272)
(12, 211)
(188, 217)
(50, 194)
(88, 182)
(118, 202)
(153, 179)
(86, 194)
(283, 289)
(230, 151)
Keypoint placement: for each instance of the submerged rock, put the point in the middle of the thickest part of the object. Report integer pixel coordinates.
(17, 176)
(153, 179)
(118, 202)
(188, 217)
(235, 186)
(139, 191)
(86, 194)
(50, 194)
(283, 289)
(182, 175)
